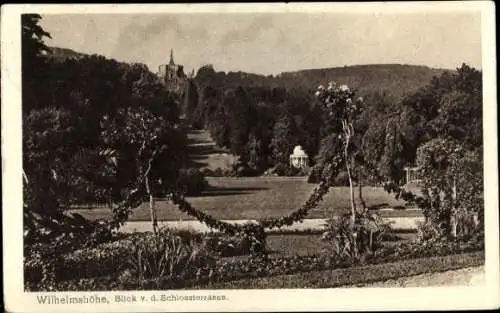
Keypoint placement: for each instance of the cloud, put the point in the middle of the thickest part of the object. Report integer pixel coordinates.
(248, 33)
(144, 29)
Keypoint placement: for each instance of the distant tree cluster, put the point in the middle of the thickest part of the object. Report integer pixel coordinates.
(261, 118)
(259, 124)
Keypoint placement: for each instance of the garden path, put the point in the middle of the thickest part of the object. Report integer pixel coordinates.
(398, 223)
(471, 277)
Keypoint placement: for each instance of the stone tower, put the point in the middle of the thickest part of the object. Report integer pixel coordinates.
(172, 75)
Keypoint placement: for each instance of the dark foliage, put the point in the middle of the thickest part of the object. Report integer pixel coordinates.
(192, 182)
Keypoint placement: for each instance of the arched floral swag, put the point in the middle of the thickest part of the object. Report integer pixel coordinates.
(342, 110)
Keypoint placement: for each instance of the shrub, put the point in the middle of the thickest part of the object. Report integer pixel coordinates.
(452, 187)
(241, 169)
(45, 264)
(140, 256)
(287, 170)
(167, 255)
(192, 182)
(63, 231)
(218, 172)
(356, 241)
(428, 231)
(228, 246)
(222, 244)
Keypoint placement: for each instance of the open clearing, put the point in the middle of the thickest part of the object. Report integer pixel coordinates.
(231, 198)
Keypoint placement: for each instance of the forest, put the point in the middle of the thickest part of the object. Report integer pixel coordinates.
(261, 119)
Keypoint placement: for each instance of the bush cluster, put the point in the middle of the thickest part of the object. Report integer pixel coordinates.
(218, 172)
(286, 170)
(140, 257)
(182, 260)
(356, 240)
(64, 231)
(192, 182)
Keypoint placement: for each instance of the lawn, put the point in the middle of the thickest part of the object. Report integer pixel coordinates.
(311, 244)
(231, 198)
(203, 152)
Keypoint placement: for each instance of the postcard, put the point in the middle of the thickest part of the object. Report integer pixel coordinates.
(249, 157)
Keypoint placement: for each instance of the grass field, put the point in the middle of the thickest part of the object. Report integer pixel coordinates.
(232, 198)
(310, 244)
(203, 153)
(258, 197)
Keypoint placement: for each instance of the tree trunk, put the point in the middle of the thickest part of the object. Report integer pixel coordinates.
(360, 192)
(153, 213)
(453, 225)
(152, 208)
(351, 187)
(454, 209)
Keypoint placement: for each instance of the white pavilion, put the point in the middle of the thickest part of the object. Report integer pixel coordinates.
(412, 175)
(299, 159)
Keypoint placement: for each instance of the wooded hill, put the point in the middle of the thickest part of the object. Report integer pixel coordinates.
(62, 54)
(396, 79)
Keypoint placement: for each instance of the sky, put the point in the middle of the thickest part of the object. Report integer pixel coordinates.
(270, 43)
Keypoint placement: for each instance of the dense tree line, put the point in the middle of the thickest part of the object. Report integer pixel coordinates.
(396, 79)
(261, 121)
(449, 107)
(259, 124)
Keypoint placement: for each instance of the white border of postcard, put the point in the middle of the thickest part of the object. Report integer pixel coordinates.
(16, 300)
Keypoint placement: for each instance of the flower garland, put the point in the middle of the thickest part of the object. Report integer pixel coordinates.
(339, 101)
(184, 206)
(312, 202)
(314, 199)
(122, 210)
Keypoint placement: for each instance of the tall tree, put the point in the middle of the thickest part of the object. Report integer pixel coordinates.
(190, 100)
(34, 68)
(241, 117)
(256, 159)
(284, 139)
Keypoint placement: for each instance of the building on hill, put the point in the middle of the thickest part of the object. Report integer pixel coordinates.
(172, 75)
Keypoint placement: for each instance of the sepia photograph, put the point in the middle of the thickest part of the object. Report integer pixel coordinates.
(166, 154)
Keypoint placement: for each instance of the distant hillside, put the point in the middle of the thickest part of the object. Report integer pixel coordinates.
(394, 78)
(64, 53)
(398, 80)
